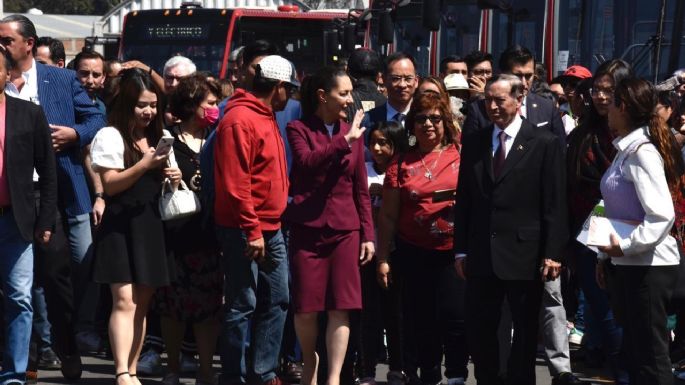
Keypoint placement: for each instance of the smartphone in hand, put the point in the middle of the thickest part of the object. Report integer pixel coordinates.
(164, 145)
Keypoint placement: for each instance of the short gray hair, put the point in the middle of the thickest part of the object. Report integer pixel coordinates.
(513, 81)
(178, 61)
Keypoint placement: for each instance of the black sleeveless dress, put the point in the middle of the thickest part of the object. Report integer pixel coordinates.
(130, 245)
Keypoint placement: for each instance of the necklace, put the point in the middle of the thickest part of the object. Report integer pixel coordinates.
(196, 179)
(429, 171)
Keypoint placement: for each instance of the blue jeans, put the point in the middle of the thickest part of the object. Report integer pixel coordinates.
(256, 297)
(80, 236)
(41, 325)
(86, 292)
(16, 274)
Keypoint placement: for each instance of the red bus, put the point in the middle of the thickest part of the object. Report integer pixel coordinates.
(207, 36)
(560, 33)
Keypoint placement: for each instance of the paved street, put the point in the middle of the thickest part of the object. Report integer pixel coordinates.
(98, 371)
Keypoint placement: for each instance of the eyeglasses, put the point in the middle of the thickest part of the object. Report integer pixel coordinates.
(526, 77)
(481, 72)
(171, 78)
(395, 79)
(421, 119)
(602, 92)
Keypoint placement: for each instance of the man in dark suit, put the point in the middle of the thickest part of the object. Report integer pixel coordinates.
(399, 76)
(510, 228)
(74, 120)
(518, 61)
(25, 144)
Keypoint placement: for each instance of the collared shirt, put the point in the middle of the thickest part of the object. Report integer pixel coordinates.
(512, 130)
(650, 243)
(390, 115)
(29, 91)
(524, 107)
(4, 183)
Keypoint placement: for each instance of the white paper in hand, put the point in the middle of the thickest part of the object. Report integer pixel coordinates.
(599, 233)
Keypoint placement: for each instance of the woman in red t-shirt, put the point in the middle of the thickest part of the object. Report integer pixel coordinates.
(417, 214)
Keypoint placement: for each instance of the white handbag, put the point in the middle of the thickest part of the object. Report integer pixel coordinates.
(177, 203)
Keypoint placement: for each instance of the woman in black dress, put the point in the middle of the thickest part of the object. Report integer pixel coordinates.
(195, 297)
(130, 252)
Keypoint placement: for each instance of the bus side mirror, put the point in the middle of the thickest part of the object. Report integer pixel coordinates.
(349, 37)
(431, 14)
(386, 28)
(332, 40)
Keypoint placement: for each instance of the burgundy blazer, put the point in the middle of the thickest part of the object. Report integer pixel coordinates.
(328, 179)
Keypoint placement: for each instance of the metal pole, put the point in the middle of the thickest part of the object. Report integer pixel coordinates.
(660, 33)
(677, 36)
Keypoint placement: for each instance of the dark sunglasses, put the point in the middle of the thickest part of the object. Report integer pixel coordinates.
(421, 119)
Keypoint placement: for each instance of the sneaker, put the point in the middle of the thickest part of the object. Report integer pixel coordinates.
(396, 378)
(367, 381)
(575, 337)
(88, 342)
(149, 364)
(189, 363)
(48, 360)
(171, 379)
(31, 377)
(456, 381)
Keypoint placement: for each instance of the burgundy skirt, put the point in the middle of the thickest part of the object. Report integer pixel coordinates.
(324, 264)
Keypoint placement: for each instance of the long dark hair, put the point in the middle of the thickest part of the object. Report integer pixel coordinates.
(132, 84)
(585, 135)
(324, 79)
(639, 99)
(395, 133)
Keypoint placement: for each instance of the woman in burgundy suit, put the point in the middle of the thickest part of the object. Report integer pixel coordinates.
(331, 229)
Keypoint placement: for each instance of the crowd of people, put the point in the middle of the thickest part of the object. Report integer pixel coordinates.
(360, 214)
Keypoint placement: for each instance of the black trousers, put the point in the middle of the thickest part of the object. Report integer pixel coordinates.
(484, 297)
(640, 296)
(432, 313)
(53, 273)
(381, 310)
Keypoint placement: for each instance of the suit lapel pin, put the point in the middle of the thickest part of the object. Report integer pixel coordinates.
(520, 147)
(535, 105)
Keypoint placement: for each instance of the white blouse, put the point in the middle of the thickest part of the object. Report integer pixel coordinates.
(650, 244)
(107, 150)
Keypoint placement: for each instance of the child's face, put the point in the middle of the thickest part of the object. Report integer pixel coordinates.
(380, 148)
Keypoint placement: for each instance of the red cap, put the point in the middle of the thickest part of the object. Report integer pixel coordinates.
(579, 72)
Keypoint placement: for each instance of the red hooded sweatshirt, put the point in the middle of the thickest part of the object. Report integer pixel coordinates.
(250, 169)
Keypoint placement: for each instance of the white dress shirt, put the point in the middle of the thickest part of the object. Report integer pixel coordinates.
(650, 243)
(29, 91)
(391, 112)
(524, 107)
(511, 130)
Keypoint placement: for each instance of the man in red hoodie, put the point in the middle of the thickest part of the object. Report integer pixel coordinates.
(251, 185)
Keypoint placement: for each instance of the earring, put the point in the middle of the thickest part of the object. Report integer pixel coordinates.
(411, 140)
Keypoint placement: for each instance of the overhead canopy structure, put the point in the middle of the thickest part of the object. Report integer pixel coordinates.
(63, 26)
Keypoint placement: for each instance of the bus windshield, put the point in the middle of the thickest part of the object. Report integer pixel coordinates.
(153, 38)
(299, 40)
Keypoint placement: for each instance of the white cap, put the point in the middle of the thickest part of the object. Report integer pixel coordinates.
(278, 68)
(456, 82)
